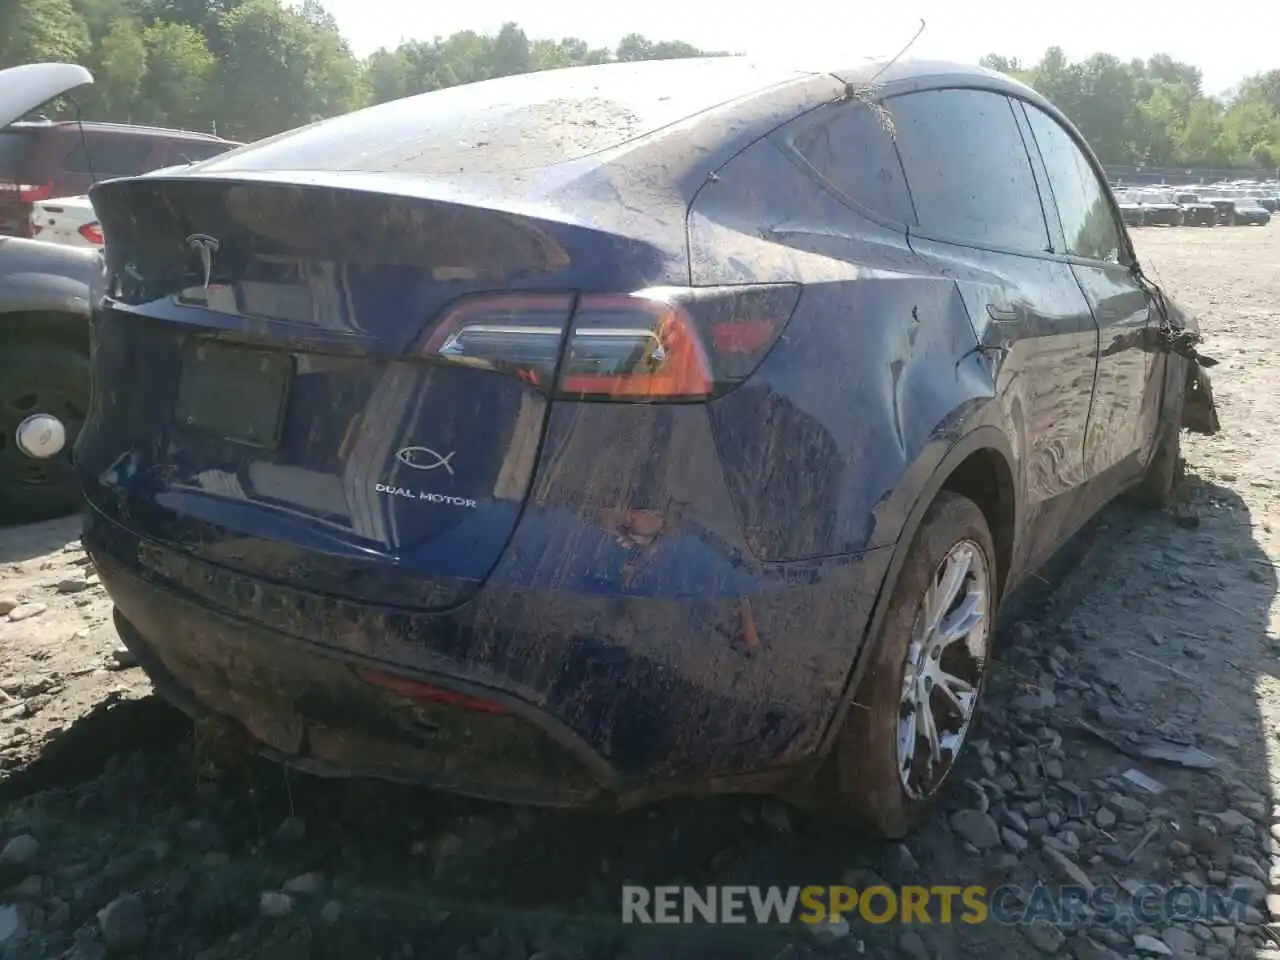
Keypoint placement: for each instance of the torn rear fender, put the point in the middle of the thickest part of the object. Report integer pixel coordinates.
(1181, 336)
(1199, 412)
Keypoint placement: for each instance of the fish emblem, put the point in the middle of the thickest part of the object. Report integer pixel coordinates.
(424, 458)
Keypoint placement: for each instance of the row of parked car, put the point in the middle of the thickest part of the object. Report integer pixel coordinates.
(1224, 204)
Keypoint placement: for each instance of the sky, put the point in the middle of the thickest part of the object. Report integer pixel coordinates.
(1228, 39)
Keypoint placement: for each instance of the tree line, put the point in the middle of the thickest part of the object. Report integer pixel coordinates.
(1155, 112)
(250, 68)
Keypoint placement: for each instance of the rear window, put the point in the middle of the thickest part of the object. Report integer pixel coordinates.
(14, 148)
(515, 123)
(110, 156)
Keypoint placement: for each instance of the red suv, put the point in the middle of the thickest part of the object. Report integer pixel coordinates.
(44, 159)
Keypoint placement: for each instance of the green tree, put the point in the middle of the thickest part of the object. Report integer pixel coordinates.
(1251, 133)
(510, 52)
(1155, 111)
(41, 30)
(179, 70)
(120, 70)
(387, 74)
(633, 47)
(285, 66)
(1199, 142)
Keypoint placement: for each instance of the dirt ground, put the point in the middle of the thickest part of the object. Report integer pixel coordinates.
(1151, 636)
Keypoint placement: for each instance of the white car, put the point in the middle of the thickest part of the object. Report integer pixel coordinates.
(71, 220)
(66, 220)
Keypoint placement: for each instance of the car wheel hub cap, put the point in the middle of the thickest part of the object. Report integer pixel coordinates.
(41, 436)
(945, 665)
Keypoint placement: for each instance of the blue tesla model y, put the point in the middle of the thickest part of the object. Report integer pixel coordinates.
(607, 433)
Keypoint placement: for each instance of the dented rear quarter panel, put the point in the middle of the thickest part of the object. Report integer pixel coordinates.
(877, 370)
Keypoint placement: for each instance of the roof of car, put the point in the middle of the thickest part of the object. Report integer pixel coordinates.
(536, 120)
(581, 143)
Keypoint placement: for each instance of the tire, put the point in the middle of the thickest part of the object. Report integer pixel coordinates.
(39, 378)
(866, 782)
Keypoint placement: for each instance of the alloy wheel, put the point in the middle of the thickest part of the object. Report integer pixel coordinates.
(946, 661)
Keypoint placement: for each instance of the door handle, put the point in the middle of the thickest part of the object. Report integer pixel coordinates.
(1001, 314)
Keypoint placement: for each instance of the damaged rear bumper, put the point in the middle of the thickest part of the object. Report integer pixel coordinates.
(518, 695)
(295, 704)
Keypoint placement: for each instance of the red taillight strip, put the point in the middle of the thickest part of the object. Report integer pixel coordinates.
(683, 373)
(653, 345)
(416, 690)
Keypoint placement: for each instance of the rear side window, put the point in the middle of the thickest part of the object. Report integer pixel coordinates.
(110, 156)
(967, 169)
(14, 149)
(853, 151)
(1087, 221)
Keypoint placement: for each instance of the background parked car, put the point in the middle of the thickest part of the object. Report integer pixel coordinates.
(1195, 212)
(71, 221)
(1160, 210)
(1130, 209)
(68, 220)
(1249, 211)
(42, 160)
(45, 292)
(1226, 208)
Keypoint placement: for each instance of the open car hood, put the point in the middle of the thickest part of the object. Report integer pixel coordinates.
(24, 88)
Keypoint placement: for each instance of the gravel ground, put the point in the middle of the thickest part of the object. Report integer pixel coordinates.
(123, 832)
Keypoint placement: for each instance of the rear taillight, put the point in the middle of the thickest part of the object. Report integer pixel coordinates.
(662, 344)
(34, 192)
(93, 233)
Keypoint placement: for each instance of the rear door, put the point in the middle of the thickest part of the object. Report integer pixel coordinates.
(1126, 401)
(981, 221)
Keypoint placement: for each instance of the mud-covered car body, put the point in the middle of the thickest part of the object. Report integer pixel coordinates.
(437, 559)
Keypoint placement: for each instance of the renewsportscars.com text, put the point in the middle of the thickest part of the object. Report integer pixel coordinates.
(939, 904)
